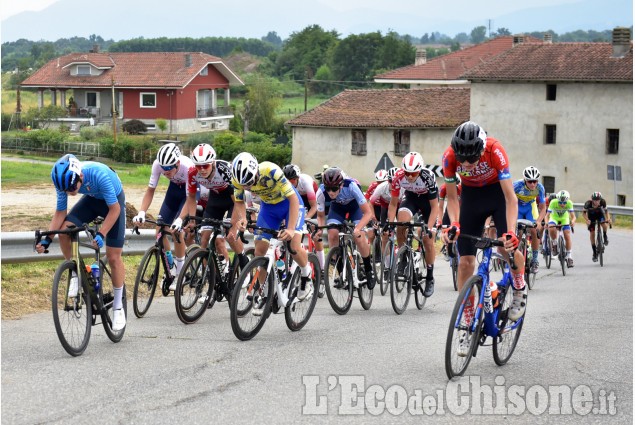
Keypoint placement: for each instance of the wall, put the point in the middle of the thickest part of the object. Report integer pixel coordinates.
(516, 113)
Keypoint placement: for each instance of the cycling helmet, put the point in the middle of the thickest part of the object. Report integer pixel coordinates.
(203, 154)
(596, 196)
(412, 162)
(468, 140)
(391, 172)
(245, 169)
(291, 171)
(563, 196)
(332, 177)
(65, 173)
(381, 175)
(168, 155)
(531, 173)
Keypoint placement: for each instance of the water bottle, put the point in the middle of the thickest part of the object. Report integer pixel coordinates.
(280, 267)
(493, 287)
(94, 270)
(487, 299)
(168, 255)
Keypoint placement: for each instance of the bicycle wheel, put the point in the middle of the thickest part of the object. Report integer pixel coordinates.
(145, 283)
(299, 312)
(420, 300)
(235, 268)
(599, 245)
(401, 285)
(527, 255)
(194, 287)
(107, 295)
(562, 255)
(376, 255)
(72, 315)
(546, 246)
(386, 269)
(245, 320)
(338, 281)
(505, 343)
(464, 330)
(364, 294)
(191, 248)
(454, 266)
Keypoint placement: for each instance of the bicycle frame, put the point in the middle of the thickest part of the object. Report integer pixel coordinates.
(349, 254)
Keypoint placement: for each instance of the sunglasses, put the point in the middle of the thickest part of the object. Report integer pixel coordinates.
(531, 181)
(168, 167)
(203, 166)
(411, 174)
(469, 159)
(332, 188)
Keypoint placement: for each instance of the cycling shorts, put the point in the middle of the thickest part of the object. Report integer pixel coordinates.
(527, 212)
(273, 215)
(173, 202)
(593, 218)
(89, 208)
(377, 212)
(339, 213)
(417, 203)
(477, 204)
(217, 206)
(562, 220)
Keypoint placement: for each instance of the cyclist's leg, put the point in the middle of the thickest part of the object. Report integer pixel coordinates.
(405, 211)
(170, 209)
(591, 229)
(474, 211)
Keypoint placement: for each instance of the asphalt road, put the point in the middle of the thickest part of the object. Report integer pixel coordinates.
(573, 363)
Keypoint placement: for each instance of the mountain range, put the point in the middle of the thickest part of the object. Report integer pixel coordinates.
(124, 19)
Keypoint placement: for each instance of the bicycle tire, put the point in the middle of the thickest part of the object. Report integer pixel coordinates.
(562, 255)
(401, 286)
(298, 313)
(386, 271)
(195, 280)
(235, 267)
(420, 300)
(145, 286)
(364, 294)
(546, 246)
(107, 296)
(454, 266)
(340, 298)
(191, 248)
(247, 325)
(456, 365)
(376, 256)
(599, 244)
(72, 322)
(505, 342)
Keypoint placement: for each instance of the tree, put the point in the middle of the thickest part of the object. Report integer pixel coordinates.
(478, 34)
(307, 48)
(273, 38)
(323, 75)
(501, 31)
(263, 95)
(43, 117)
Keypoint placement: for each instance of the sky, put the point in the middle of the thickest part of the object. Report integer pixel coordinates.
(13, 7)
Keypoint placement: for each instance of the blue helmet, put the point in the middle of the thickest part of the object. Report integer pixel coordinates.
(65, 173)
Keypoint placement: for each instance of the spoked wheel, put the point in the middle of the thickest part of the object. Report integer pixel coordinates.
(146, 282)
(385, 272)
(546, 246)
(376, 257)
(562, 256)
(107, 294)
(401, 284)
(236, 269)
(365, 295)
(420, 300)
(464, 330)
(599, 245)
(505, 343)
(299, 312)
(454, 266)
(72, 315)
(192, 248)
(531, 280)
(194, 287)
(338, 281)
(248, 313)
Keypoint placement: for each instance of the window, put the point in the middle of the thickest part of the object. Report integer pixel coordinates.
(204, 71)
(612, 140)
(402, 142)
(549, 183)
(621, 200)
(83, 69)
(551, 91)
(550, 134)
(148, 100)
(359, 142)
(91, 99)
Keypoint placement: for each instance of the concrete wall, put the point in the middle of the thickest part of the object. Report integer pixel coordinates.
(314, 147)
(516, 114)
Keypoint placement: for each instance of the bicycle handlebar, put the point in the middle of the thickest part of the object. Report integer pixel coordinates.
(158, 223)
(91, 230)
(274, 233)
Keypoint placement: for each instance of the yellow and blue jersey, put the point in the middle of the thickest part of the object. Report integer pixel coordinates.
(272, 186)
(527, 196)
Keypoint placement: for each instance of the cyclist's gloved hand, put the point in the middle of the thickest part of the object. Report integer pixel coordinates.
(511, 238)
(139, 218)
(177, 225)
(46, 242)
(99, 239)
(453, 231)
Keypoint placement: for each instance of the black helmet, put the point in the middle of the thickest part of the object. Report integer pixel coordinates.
(468, 141)
(291, 171)
(332, 177)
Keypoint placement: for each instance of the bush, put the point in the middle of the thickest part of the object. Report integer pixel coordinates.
(161, 124)
(134, 127)
(40, 139)
(198, 138)
(88, 133)
(6, 119)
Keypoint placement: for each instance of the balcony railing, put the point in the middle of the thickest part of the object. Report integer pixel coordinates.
(214, 112)
(84, 112)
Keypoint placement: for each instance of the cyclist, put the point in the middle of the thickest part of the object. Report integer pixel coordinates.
(380, 177)
(561, 212)
(595, 210)
(171, 164)
(529, 193)
(445, 221)
(346, 199)
(103, 196)
(487, 190)
(420, 194)
(382, 195)
(280, 203)
(215, 175)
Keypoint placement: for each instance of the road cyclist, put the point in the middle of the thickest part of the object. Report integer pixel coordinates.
(531, 206)
(561, 213)
(595, 210)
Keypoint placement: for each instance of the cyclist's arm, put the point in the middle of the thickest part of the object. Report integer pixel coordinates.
(542, 212)
(312, 208)
(294, 211)
(321, 218)
(572, 218)
(511, 205)
(147, 199)
(392, 208)
(441, 206)
(238, 216)
(368, 215)
(452, 200)
(434, 213)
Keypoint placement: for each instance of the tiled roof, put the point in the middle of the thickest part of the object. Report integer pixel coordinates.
(390, 108)
(557, 62)
(156, 69)
(453, 65)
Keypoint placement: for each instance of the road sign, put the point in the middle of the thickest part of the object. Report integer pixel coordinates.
(436, 169)
(384, 163)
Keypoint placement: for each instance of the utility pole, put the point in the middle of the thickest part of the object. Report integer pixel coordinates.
(306, 87)
(489, 28)
(114, 114)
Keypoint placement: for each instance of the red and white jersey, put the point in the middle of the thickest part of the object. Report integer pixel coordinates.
(424, 184)
(370, 190)
(307, 186)
(179, 178)
(492, 166)
(382, 194)
(218, 182)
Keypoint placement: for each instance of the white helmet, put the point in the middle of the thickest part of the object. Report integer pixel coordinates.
(412, 162)
(168, 155)
(392, 171)
(245, 169)
(563, 196)
(381, 175)
(531, 173)
(203, 154)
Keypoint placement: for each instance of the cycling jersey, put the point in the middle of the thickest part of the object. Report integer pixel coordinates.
(179, 178)
(528, 196)
(218, 183)
(369, 192)
(272, 187)
(424, 184)
(383, 194)
(349, 192)
(559, 213)
(492, 166)
(98, 181)
(595, 211)
(307, 187)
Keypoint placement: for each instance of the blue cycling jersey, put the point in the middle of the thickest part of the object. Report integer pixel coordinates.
(99, 181)
(526, 196)
(350, 192)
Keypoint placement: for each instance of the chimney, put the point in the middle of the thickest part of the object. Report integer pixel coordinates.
(421, 56)
(547, 38)
(518, 39)
(188, 60)
(621, 41)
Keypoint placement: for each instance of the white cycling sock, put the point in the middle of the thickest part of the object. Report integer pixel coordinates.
(320, 256)
(179, 263)
(117, 304)
(306, 270)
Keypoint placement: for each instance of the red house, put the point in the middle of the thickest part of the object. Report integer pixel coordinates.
(189, 90)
